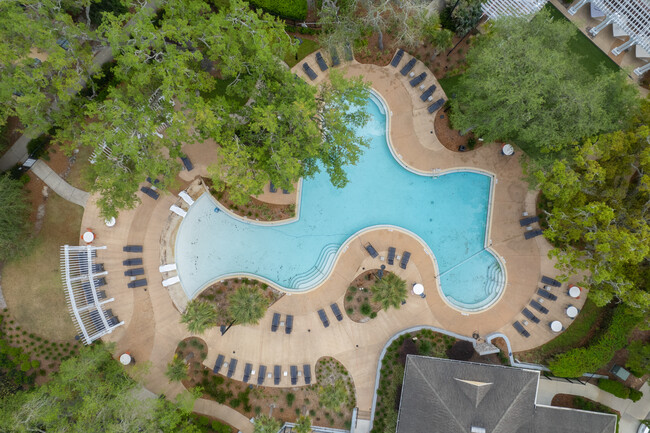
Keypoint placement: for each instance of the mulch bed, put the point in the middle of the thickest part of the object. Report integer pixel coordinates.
(254, 209)
(359, 293)
(569, 401)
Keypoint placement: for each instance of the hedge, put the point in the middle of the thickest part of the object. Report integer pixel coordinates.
(293, 9)
(614, 387)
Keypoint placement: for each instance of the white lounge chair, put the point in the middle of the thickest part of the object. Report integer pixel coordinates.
(178, 211)
(186, 197)
(168, 267)
(169, 281)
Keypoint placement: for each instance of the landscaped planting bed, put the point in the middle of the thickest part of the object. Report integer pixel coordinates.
(582, 403)
(254, 209)
(358, 302)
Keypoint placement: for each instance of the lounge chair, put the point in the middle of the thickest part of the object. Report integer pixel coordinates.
(108, 313)
(113, 321)
(167, 268)
(101, 294)
(231, 367)
(417, 80)
(532, 234)
(371, 250)
(133, 272)
(247, 372)
(261, 374)
(169, 281)
(272, 187)
(405, 260)
(536, 305)
(348, 52)
(98, 267)
(337, 311)
(323, 318)
(528, 221)
(285, 191)
(275, 322)
(132, 262)
(407, 68)
(391, 256)
(436, 106)
(519, 327)
(545, 294)
(186, 198)
(397, 58)
(218, 364)
(100, 282)
(277, 374)
(288, 324)
(133, 248)
(153, 182)
(294, 374)
(427, 93)
(150, 192)
(306, 370)
(309, 71)
(551, 281)
(137, 283)
(187, 163)
(178, 211)
(321, 62)
(529, 315)
(335, 57)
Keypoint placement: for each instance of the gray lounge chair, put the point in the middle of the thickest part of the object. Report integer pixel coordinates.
(348, 52)
(397, 58)
(528, 221)
(133, 248)
(546, 294)
(407, 68)
(218, 364)
(337, 311)
(536, 305)
(335, 57)
(288, 324)
(528, 314)
(247, 372)
(417, 80)
(277, 375)
(427, 93)
(321, 62)
(532, 234)
(371, 250)
(294, 375)
(519, 327)
(98, 267)
(272, 188)
(100, 282)
(306, 371)
(132, 262)
(323, 318)
(134, 271)
(101, 295)
(436, 106)
(150, 192)
(187, 163)
(405, 260)
(309, 71)
(550, 281)
(275, 322)
(231, 367)
(261, 375)
(391, 256)
(137, 283)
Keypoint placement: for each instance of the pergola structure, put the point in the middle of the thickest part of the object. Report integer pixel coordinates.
(82, 277)
(516, 8)
(632, 17)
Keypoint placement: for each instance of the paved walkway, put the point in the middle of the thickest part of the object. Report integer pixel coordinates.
(630, 411)
(58, 185)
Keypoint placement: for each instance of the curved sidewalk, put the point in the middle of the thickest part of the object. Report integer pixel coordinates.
(58, 185)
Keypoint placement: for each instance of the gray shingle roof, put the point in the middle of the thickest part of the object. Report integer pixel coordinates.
(441, 395)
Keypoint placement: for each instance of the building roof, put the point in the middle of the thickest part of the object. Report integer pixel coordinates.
(441, 395)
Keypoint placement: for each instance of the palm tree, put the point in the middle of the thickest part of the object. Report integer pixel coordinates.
(333, 396)
(266, 424)
(303, 424)
(389, 291)
(177, 369)
(199, 316)
(247, 305)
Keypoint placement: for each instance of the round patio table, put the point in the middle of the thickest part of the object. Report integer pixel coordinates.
(574, 291)
(556, 326)
(418, 289)
(507, 149)
(88, 237)
(125, 359)
(572, 311)
(110, 222)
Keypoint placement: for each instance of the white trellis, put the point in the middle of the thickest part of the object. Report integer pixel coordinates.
(82, 278)
(517, 8)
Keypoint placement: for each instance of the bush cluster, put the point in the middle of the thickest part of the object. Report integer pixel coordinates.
(292, 9)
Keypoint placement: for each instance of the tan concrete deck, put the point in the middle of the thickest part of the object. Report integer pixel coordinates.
(152, 329)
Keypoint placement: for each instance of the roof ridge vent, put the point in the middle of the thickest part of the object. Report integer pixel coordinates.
(477, 430)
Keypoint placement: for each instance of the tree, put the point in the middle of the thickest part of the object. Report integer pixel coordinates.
(14, 218)
(439, 37)
(266, 424)
(466, 15)
(524, 85)
(389, 291)
(199, 316)
(638, 360)
(247, 305)
(333, 396)
(177, 369)
(303, 424)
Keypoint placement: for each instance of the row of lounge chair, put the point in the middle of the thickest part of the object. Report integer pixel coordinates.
(261, 373)
(288, 324)
(404, 260)
(323, 65)
(428, 93)
(548, 281)
(136, 261)
(335, 310)
(530, 233)
(273, 189)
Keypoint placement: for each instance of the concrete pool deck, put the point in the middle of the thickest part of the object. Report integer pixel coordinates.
(152, 328)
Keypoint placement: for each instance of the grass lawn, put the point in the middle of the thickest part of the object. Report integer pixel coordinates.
(449, 84)
(306, 48)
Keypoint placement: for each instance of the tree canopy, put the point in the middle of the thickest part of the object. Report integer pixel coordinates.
(389, 291)
(199, 316)
(247, 305)
(14, 218)
(523, 85)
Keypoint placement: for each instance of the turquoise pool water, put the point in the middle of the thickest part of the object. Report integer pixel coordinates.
(449, 213)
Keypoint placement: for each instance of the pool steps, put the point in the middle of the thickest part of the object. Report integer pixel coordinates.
(319, 271)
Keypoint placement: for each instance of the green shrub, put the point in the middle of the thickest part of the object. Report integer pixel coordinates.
(25, 366)
(36, 363)
(290, 399)
(293, 9)
(635, 395)
(639, 358)
(614, 387)
(366, 309)
(219, 427)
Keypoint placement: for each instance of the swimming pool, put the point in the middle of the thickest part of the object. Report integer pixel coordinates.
(448, 213)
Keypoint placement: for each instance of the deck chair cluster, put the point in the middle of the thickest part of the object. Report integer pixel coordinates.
(262, 373)
(537, 304)
(427, 95)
